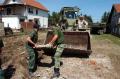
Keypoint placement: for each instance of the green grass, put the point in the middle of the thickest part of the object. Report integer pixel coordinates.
(114, 39)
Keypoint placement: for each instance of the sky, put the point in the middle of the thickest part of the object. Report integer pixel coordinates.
(93, 8)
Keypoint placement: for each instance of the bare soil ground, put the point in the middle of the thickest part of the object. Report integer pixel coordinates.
(103, 63)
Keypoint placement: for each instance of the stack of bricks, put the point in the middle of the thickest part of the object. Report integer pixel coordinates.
(2, 32)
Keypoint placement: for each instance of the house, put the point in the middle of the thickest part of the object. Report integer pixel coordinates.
(14, 12)
(113, 24)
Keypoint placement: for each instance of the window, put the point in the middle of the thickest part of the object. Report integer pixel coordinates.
(0, 14)
(30, 10)
(36, 12)
(8, 11)
(70, 15)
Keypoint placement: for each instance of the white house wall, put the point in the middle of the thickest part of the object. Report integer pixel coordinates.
(43, 21)
(20, 10)
(16, 2)
(12, 22)
(42, 16)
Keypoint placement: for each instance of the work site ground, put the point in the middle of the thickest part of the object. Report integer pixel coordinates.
(103, 63)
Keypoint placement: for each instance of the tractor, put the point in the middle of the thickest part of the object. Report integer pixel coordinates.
(76, 41)
(68, 17)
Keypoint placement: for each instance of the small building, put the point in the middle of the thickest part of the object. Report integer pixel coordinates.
(113, 24)
(14, 12)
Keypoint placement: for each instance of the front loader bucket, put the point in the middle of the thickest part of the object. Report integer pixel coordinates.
(75, 41)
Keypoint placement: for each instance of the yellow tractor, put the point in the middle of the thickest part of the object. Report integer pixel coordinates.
(76, 41)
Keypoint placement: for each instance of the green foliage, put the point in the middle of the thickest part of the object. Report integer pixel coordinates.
(105, 16)
(54, 18)
(88, 18)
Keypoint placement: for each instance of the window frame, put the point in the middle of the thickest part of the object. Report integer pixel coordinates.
(37, 11)
(30, 10)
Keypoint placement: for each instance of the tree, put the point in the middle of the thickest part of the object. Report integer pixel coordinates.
(105, 16)
(54, 18)
(88, 18)
(49, 19)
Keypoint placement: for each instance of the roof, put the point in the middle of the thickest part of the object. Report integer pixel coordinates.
(117, 7)
(34, 3)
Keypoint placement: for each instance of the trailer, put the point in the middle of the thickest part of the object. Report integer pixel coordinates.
(98, 28)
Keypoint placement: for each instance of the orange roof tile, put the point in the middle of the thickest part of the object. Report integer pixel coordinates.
(117, 7)
(36, 4)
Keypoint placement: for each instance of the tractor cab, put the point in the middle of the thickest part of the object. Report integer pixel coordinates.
(68, 16)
